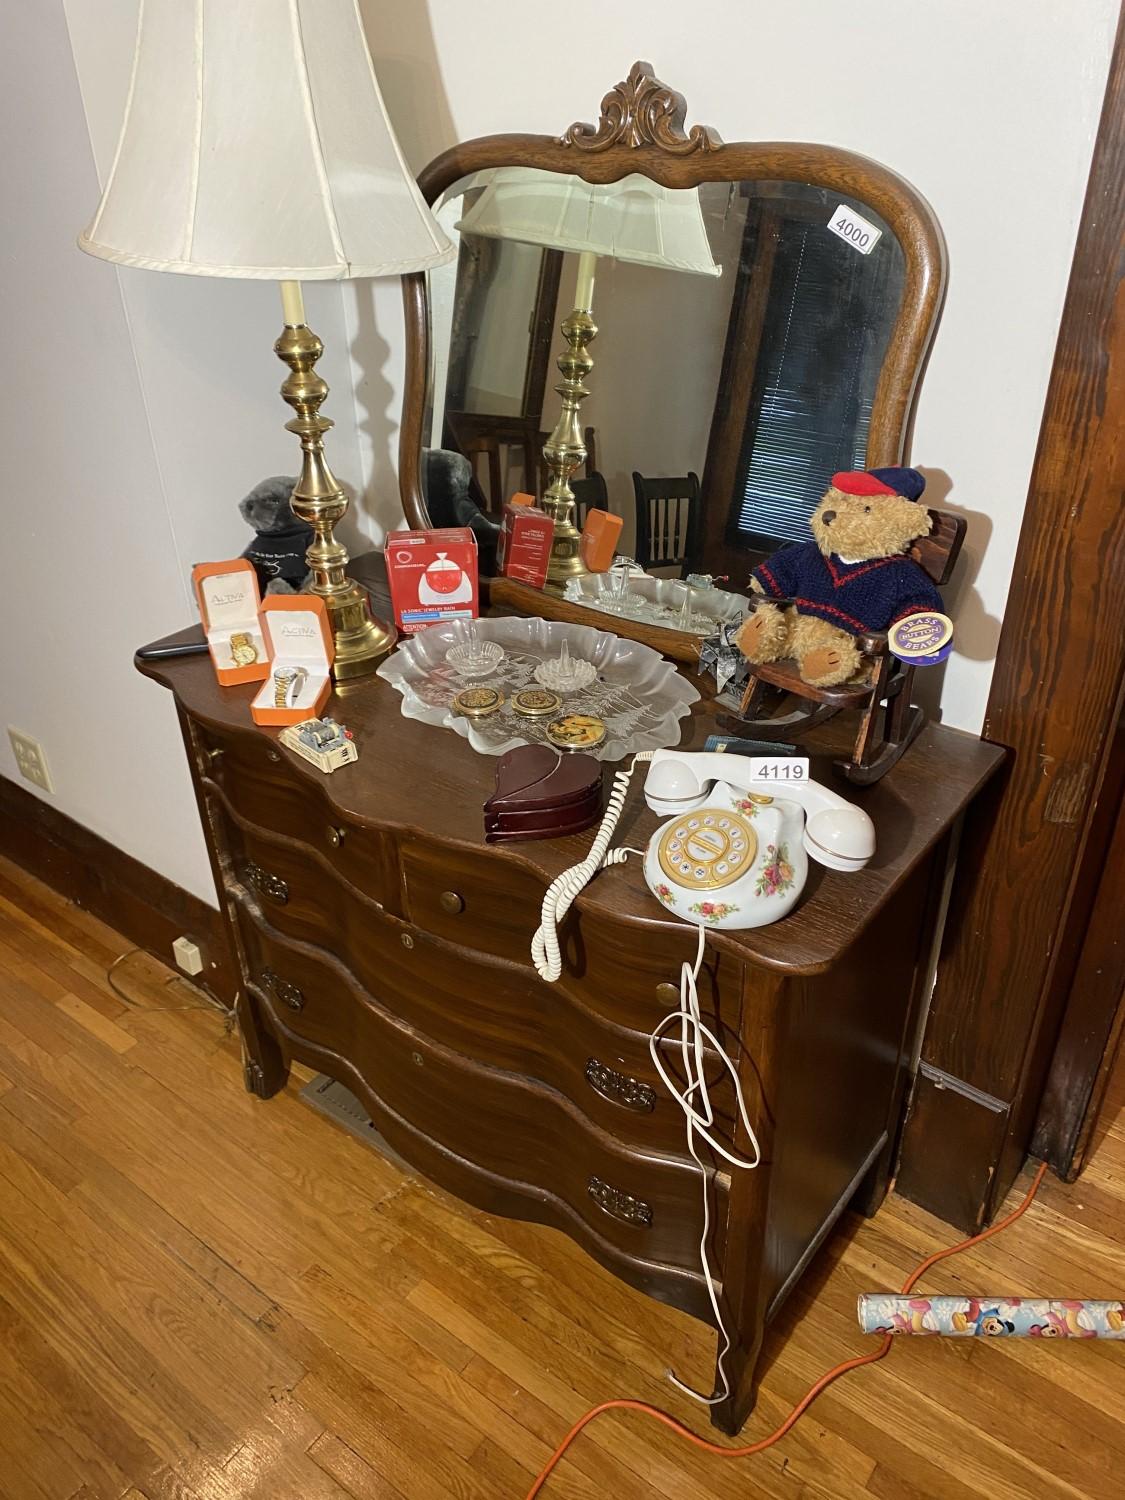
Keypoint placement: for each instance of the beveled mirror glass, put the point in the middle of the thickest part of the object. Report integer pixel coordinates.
(761, 314)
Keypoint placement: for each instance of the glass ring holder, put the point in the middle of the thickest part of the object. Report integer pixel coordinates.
(473, 656)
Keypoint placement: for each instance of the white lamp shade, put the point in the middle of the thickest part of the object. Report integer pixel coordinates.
(255, 144)
(634, 219)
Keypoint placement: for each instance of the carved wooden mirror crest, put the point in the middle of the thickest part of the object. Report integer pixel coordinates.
(719, 402)
(642, 111)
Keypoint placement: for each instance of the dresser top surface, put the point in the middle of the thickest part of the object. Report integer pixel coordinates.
(418, 778)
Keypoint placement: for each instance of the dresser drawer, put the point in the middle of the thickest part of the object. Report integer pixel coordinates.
(504, 1017)
(487, 899)
(260, 784)
(627, 972)
(645, 1204)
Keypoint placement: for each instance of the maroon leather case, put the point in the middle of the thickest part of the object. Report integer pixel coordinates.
(542, 794)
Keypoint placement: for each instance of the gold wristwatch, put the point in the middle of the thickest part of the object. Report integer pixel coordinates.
(242, 649)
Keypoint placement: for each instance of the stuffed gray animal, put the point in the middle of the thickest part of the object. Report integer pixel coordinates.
(281, 540)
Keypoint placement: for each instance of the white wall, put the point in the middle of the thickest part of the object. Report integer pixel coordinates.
(144, 405)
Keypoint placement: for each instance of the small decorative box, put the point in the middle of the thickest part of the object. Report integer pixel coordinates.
(542, 795)
(322, 742)
(301, 649)
(229, 605)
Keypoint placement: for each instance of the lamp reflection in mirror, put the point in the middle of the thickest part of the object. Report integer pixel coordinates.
(635, 220)
(255, 144)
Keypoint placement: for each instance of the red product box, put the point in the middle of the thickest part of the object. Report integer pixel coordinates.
(432, 576)
(524, 548)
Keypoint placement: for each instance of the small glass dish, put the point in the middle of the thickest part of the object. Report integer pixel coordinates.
(564, 673)
(473, 657)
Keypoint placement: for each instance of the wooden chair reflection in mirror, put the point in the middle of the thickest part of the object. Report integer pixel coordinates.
(589, 494)
(667, 521)
(492, 442)
(889, 718)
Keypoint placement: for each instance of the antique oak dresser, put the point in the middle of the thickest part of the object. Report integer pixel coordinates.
(382, 942)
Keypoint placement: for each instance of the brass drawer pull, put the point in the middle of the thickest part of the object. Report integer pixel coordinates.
(619, 1088)
(271, 886)
(452, 902)
(618, 1204)
(209, 759)
(336, 836)
(282, 990)
(668, 994)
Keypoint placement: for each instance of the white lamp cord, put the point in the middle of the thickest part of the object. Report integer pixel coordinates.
(694, 1099)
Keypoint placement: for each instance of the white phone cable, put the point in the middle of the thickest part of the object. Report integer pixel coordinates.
(700, 1121)
(547, 958)
(562, 892)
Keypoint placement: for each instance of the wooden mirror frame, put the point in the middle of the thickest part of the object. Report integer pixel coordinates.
(641, 129)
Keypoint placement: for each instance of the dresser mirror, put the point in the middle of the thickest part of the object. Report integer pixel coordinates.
(762, 312)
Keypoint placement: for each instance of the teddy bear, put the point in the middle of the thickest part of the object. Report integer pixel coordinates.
(854, 577)
(281, 540)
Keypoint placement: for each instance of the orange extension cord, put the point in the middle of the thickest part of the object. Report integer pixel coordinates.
(810, 1395)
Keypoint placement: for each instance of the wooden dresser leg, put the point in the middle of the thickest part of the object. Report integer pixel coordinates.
(263, 1067)
(741, 1367)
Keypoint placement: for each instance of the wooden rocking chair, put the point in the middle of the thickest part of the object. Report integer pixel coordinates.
(889, 720)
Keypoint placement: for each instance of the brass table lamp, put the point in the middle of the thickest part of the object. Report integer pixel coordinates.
(635, 220)
(255, 144)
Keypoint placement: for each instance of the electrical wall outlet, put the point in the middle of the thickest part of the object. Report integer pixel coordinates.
(189, 957)
(31, 760)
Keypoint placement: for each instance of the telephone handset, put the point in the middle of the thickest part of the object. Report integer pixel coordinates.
(733, 854)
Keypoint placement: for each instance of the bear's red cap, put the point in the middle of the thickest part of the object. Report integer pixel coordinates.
(860, 482)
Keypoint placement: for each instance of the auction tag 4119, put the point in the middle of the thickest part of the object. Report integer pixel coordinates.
(859, 232)
(779, 770)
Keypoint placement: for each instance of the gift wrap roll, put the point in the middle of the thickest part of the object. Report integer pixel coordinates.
(993, 1317)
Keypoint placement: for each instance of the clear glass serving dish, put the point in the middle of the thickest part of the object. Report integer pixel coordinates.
(638, 693)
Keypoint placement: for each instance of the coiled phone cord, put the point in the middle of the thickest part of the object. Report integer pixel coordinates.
(562, 892)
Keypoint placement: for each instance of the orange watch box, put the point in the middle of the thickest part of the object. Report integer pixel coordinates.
(299, 639)
(229, 604)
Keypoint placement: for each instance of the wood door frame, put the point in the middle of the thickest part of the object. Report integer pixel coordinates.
(1056, 691)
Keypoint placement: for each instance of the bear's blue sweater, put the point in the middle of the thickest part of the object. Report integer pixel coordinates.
(857, 597)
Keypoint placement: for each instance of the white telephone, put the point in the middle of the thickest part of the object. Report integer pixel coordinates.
(735, 851)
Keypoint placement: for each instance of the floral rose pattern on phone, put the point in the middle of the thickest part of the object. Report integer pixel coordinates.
(712, 911)
(665, 894)
(777, 873)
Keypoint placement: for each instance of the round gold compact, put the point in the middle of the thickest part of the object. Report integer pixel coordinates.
(576, 732)
(708, 848)
(477, 702)
(536, 703)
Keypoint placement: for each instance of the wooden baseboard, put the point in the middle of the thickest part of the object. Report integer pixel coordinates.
(143, 905)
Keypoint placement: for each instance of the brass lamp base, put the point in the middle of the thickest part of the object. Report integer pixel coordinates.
(361, 641)
(564, 450)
